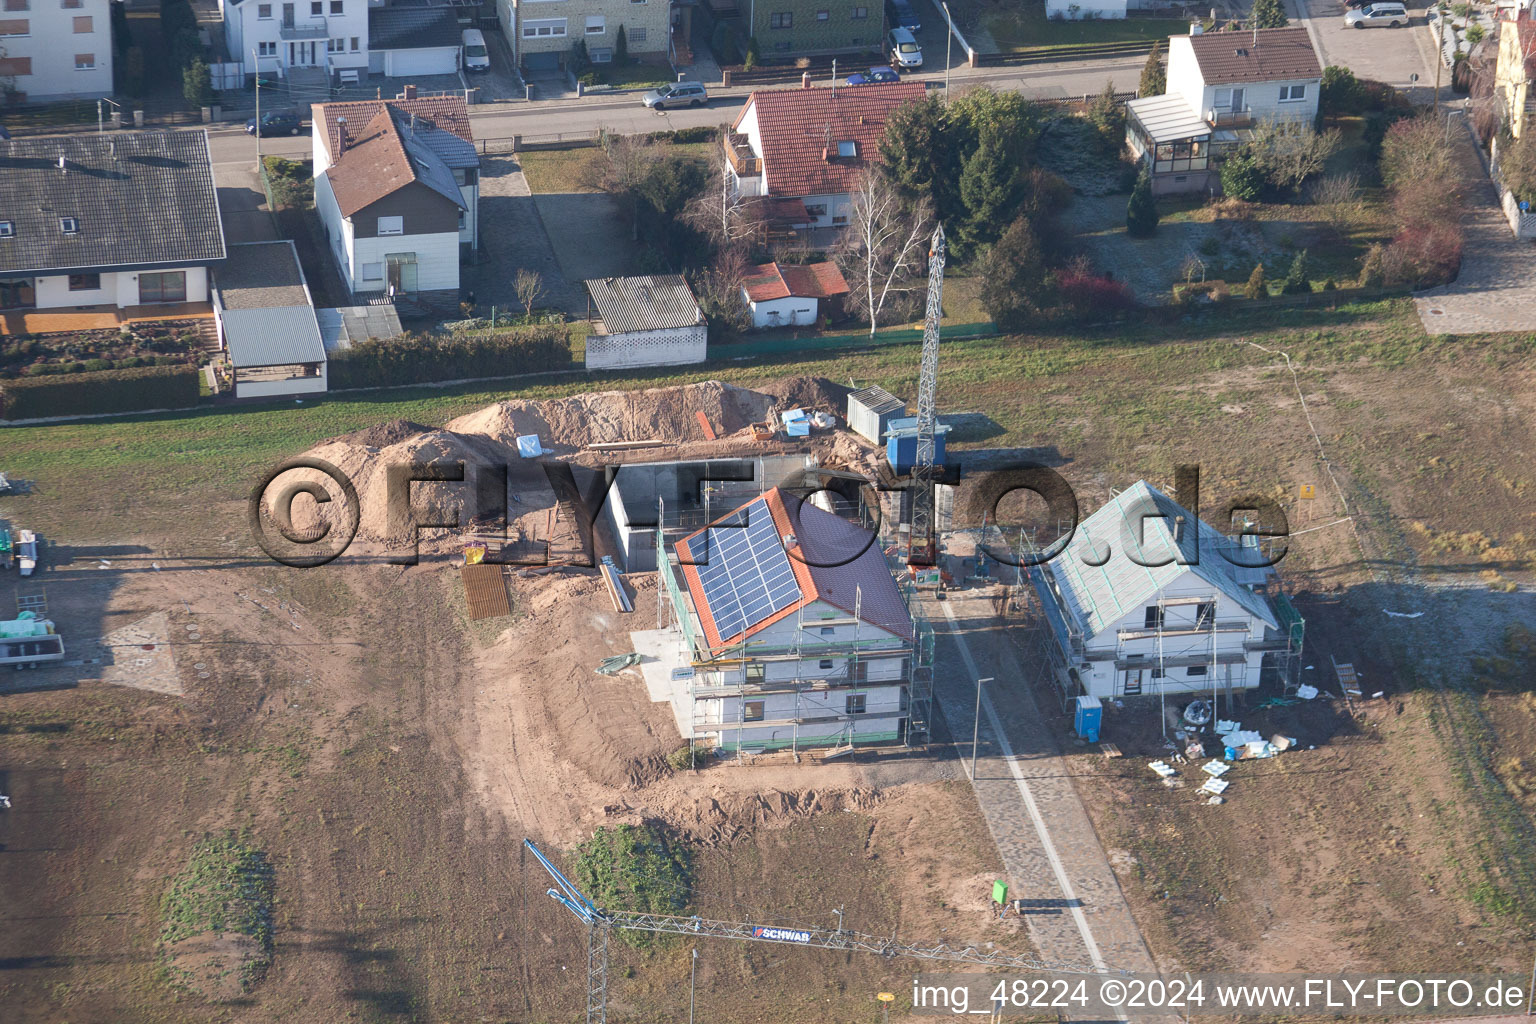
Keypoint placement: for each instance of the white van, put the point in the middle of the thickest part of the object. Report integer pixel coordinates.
(905, 53)
(476, 56)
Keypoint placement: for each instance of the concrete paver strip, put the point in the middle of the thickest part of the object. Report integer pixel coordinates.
(1043, 834)
(1496, 288)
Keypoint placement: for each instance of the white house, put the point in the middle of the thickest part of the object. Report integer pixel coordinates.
(56, 49)
(1147, 599)
(397, 191)
(791, 632)
(790, 294)
(1220, 85)
(272, 36)
(115, 222)
(644, 321)
(805, 148)
(267, 324)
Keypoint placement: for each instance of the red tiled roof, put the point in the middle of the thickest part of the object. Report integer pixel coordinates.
(1268, 55)
(811, 281)
(799, 130)
(833, 560)
(450, 113)
(373, 164)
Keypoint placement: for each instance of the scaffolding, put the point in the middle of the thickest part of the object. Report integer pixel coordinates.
(739, 672)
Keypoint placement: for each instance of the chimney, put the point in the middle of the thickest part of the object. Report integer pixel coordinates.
(112, 149)
(341, 136)
(805, 80)
(1178, 529)
(413, 124)
(63, 164)
(409, 93)
(826, 153)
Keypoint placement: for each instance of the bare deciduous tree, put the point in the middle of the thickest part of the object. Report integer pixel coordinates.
(529, 285)
(1337, 198)
(884, 246)
(728, 218)
(718, 291)
(1289, 153)
(619, 167)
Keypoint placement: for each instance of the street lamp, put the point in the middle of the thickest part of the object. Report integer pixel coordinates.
(976, 725)
(949, 43)
(256, 57)
(692, 969)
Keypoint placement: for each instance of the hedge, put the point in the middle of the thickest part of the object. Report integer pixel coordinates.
(77, 394)
(416, 359)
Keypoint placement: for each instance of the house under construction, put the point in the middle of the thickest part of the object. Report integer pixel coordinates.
(783, 627)
(1148, 600)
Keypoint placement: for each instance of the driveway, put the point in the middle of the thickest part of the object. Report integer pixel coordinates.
(512, 238)
(1385, 54)
(590, 235)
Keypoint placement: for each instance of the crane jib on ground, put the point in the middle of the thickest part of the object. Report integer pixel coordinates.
(600, 922)
(922, 541)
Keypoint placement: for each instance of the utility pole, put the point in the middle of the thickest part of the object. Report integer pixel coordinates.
(1439, 53)
(255, 56)
(976, 724)
(949, 45)
(692, 970)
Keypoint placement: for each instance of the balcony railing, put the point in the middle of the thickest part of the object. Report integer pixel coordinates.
(743, 163)
(1229, 118)
(309, 28)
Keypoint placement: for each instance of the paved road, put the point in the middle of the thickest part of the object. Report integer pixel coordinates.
(1388, 55)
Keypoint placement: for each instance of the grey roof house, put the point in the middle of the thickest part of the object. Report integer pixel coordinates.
(644, 321)
(413, 40)
(267, 322)
(108, 228)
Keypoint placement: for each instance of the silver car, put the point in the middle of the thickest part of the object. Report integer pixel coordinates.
(1382, 15)
(678, 94)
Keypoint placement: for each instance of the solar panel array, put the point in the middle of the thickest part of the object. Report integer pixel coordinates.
(743, 569)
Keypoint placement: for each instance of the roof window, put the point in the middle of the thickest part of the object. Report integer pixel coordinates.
(7, 229)
(847, 147)
(69, 225)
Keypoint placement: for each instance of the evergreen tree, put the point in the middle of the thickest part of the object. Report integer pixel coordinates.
(1297, 279)
(918, 153)
(1154, 77)
(991, 188)
(1141, 211)
(1108, 117)
(1016, 284)
(1258, 288)
(1242, 177)
(1268, 14)
(196, 83)
(621, 48)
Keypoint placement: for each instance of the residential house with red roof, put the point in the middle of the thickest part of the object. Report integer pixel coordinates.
(1221, 85)
(397, 189)
(788, 295)
(805, 149)
(790, 632)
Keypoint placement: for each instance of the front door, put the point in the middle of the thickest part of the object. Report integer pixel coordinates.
(401, 270)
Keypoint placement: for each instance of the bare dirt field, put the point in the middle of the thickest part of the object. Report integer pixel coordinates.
(389, 754)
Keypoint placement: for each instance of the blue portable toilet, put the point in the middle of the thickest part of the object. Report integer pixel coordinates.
(1087, 718)
(901, 444)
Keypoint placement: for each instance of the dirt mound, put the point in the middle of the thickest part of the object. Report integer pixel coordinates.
(382, 435)
(809, 393)
(660, 414)
(725, 816)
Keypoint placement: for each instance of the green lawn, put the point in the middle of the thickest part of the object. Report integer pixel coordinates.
(634, 75)
(556, 171)
(1017, 29)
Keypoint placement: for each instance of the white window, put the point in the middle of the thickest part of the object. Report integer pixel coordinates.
(600, 55)
(264, 12)
(7, 229)
(596, 25)
(335, 45)
(266, 49)
(859, 13)
(316, 8)
(637, 35)
(338, 7)
(823, 15)
(85, 62)
(353, 41)
(856, 703)
(391, 225)
(373, 271)
(1292, 93)
(69, 225)
(16, 27)
(544, 28)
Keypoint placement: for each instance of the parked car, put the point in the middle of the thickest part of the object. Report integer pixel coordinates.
(905, 53)
(3, 133)
(679, 94)
(277, 122)
(1377, 15)
(903, 13)
(873, 75)
(476, 56)
(1355, 4)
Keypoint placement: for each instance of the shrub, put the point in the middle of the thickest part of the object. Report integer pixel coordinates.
(1422, 257)
(1087, 294)
(1015, 284)
(684, 758)
(1107, 116)
(1257, 287)
(636, 868)
(1342, 92)
(1242, 177)
(413, 359)
(1141, 210)
(44, 393)
(754, 56)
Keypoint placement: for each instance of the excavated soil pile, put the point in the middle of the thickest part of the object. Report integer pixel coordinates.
(382, 435)
(655, 414)
(813, 394)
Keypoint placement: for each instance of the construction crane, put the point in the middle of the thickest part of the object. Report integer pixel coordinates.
(922, 538)
(600, 922)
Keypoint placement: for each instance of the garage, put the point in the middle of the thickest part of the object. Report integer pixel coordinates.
(414, 40)
(437, 60)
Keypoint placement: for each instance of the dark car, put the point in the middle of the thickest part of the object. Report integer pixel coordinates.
(873, 75)
(277, 122)
(905, 15)
(3, 133)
